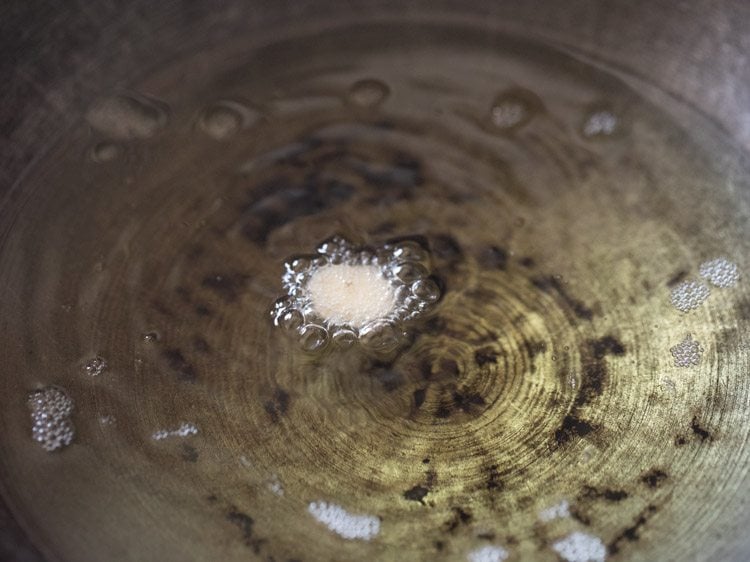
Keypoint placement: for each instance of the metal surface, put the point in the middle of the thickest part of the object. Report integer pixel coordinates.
(683, 452)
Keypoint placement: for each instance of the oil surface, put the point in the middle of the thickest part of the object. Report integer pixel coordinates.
(577, 357)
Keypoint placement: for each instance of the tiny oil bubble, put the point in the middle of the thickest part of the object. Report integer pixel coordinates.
(226, 118)
(151, 337)
(368, 93)
(600, 123)
(104, 152)
(95, 366)
(128, 116)
(185, 429)
(51, 409)
(513, 109)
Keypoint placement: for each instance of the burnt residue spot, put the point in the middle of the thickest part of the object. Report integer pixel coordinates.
(177, 362)
(534, 348)
(577, 513)
(430, 478)
(419, 396)
(654, 478)
(203, 310)
(594, 373)
(226, 286)
(282, 200)
(680, 440)
(493, 257)
(277, 406)
(699, 431)
(446, 248)
(244, 522)
(527, 262)
(485, 356)
(458, 400)
(592, 493)
(607, 345)
(677, 277)
(494, 483)
(552, 285)
(426, 460)
(439, 545)
(459, 516)
(448, 368)
(486, 536)
(416, 494)
(201, 345)
(189, 453)
(632, 533)
(572, 427)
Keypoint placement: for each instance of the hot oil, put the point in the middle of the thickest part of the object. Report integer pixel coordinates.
(561, 213)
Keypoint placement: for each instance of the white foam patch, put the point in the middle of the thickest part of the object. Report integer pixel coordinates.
(689, 295)
(687, 353)
(720, 272)
(600, 123)
(275, 486)
(581, 547)
(558, 511)
(343, 523)
(183, 431)
(488, 554)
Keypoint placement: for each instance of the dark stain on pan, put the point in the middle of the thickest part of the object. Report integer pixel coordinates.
(677, 277)
(225, 286)
(485, 356)
(553, 286)
(278, 405)
(654, 478)
(416, 494)
(632, 532)
(460, 516)
(572, 427)
(189, 453)
(589, 493)
(182, 367)
(493, 258)
(699, 431)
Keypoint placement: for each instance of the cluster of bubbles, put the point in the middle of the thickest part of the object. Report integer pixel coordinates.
(581, 547)
(184, 430)
(51, 408)
(601, 123)
(404, 264)
(689, 295)
(688, 352)
(95, 366)
(488, 553)
(345, 524)
(720, 272)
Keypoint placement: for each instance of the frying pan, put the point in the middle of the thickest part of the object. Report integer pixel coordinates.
(547, 410)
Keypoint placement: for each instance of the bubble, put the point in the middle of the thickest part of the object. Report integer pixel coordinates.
(426, 290)
(409, 272)
(687, 353)
(600, 123)
(151, 337)
(104, 152)
(291, 320)
(95, 366)
(313, 338)
(226, 118)
(128, 116)
(344, 337)
(51, 408)
(689, 295)
(382, 337)
(512, 109)
(409, 251)
(720, 272)
(368, 93)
